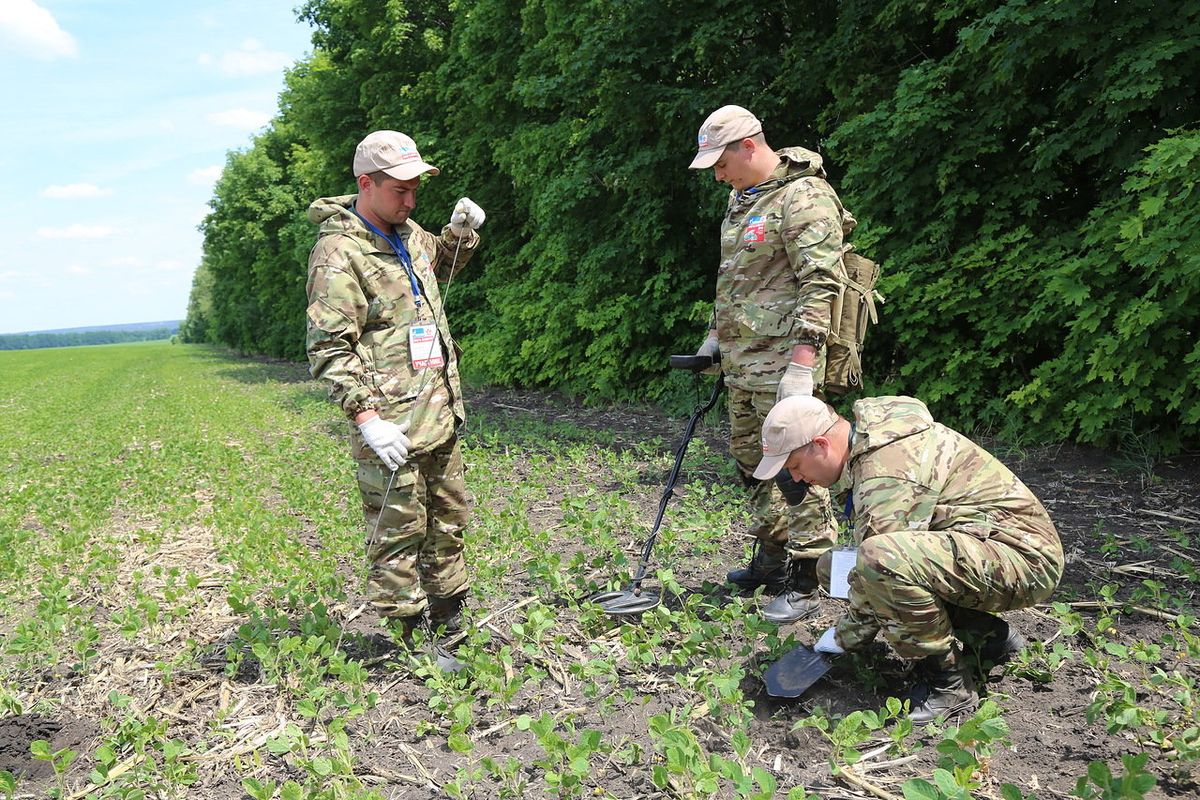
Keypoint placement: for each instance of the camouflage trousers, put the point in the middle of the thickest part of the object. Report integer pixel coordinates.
(805, 530)
(416, 552)
(902, 583)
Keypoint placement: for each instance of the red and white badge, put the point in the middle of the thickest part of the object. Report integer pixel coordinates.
(425, 347)
(756, 230)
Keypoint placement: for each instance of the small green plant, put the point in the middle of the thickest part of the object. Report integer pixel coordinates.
(567, 762)
(1101, 784)
(965, 752)
(59, 760)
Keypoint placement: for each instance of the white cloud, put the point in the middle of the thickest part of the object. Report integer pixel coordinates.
(76, 232)
(33, 30)
(7, 295)
(242, 118)
(167, 265)
(11, 275)
(250, 59)
(205, 176)
(72, 191)
(79, 271)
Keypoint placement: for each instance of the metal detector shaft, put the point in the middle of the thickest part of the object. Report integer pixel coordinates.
(699, 412)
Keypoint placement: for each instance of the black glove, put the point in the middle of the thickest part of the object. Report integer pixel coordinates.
(793, 491)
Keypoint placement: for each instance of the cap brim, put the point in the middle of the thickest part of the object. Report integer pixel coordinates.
(706, 158)
(769, 467)
(406, 172)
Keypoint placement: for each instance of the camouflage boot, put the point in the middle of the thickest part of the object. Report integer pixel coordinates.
(445, 614)
(767, 567)
(801, 599)
(950, 689)
(986, 635)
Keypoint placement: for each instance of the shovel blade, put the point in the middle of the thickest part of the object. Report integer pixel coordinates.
(627, 603)
(796, 671)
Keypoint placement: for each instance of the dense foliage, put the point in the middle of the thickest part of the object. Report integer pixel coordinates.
(1025, 171)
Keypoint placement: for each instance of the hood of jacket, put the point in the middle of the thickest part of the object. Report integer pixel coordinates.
(336, 215)
(800, 163)
(880, 421)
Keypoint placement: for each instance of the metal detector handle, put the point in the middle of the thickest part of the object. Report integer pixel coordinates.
(695, 363)
(673, 477)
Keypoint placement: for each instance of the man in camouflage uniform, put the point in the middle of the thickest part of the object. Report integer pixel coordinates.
(780, 272)
(946, 534)
(377, 333)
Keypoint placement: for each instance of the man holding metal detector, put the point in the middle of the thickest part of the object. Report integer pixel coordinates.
(377, 333)
(946, 535)
(778, 286)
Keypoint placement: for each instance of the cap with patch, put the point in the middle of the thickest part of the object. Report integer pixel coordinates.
(390, 152)
(791, 424)
(726, 125)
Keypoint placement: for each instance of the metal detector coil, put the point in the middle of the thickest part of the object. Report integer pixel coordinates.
(636, 600)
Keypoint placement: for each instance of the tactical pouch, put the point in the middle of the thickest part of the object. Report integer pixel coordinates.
(853, 312)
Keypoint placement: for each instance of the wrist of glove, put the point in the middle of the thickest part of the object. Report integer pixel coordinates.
(467, 216)
(710, 348)
(388, 441)
(797, 381)
(828, 643)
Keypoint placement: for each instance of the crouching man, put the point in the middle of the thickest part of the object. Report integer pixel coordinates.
(947, 535)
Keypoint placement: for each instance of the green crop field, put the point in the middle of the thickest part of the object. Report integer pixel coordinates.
(181, 615)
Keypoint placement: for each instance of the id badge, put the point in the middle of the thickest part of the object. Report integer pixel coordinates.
(841, 562)
(425, 346)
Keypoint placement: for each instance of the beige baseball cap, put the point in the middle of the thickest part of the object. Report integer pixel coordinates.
(391, 152)
(726, 125)
(791, 424)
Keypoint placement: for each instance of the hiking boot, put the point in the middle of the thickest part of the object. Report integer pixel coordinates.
(767, 568)
(986, 635)
(445, 614)
(800, 599)
(949, 689)
(403, 628)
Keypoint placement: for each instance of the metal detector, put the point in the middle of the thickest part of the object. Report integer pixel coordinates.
(798, 669)
(636, 600)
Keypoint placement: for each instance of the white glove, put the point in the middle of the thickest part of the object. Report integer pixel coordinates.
(797, 381)
(828, 643)
(466, 214)
(710, 347)
(387, 439)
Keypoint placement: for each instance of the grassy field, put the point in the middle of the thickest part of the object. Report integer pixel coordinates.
(181, 615)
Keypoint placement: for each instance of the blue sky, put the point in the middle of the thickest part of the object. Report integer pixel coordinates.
(116, 120)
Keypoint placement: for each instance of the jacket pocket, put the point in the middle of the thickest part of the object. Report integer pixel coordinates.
(763, 321)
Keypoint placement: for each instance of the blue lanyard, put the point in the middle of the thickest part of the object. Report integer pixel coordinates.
(401, 252)
(850, 492)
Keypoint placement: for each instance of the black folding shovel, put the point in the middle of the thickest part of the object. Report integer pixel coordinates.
(636, 600)
(796, 671)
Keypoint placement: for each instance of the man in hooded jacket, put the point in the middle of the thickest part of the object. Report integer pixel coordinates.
(947, 536)
(781, 271)
(377, 333)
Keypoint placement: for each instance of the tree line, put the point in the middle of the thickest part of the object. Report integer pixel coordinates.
(35, 341)
(1026, 173)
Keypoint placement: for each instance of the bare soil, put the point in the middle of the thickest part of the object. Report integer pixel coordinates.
(1144, 515)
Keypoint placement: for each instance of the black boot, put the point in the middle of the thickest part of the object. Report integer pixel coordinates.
(801, 599)
(950, 689)
(445, 614)
(988, 636)
(402, 628)
(767, 568)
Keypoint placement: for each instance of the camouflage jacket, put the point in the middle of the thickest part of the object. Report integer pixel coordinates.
(781, 269)
(909, 473)
(360, 307)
